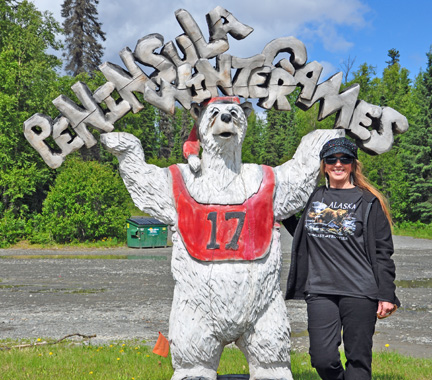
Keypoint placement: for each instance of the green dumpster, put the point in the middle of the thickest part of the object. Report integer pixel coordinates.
(146, 232)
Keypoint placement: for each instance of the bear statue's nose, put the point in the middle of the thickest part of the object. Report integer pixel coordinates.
(226, 117)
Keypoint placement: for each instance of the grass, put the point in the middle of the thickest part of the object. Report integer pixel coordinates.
(83, 257)
(100, 244)
(135, 361)
(415, 230)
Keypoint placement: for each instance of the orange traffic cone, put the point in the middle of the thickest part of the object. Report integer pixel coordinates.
(162, 346)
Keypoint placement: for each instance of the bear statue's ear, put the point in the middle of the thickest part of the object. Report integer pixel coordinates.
(195, 111)
(247, 108)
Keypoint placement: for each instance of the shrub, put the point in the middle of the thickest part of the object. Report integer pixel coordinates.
(88, 201)
(12, 229)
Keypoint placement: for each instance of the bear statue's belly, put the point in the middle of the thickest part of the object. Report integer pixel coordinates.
(219, 232)
(229, 295)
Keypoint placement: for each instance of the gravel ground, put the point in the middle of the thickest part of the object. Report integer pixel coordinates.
(131, 298)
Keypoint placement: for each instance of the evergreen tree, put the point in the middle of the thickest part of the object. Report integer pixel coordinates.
(387, 171)
(395, 88)
(280, 137)
(183, 123)
(365, 76)
(165, 128)
(82, 30)
(394, 57)
(417, 145)
(251, 149)
(272, 143)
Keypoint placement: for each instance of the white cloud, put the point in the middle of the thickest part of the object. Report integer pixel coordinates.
(328, 70)
(312, 21)
(49, 5)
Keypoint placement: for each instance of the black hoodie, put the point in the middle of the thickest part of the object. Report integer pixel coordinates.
(378, 243)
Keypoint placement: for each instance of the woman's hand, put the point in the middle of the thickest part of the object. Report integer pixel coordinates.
(385, 309)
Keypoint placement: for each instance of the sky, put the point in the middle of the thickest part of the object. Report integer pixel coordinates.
(333, 31)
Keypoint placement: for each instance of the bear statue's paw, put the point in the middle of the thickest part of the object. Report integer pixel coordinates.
(194, 163)
(119, 143)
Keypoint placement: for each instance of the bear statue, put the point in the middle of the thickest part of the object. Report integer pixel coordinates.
(226, 257)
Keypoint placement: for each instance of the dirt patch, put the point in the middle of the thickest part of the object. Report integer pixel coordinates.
(131, 298)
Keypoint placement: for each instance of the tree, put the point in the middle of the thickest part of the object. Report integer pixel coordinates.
(183, 123)
(347, 67)
(365, 76)
(165, 127)
(272, 147)
(395, 88)
(394, 57)
(82, 31)
(387, 171)
(251, 149)
(417, 144)
(28, 84)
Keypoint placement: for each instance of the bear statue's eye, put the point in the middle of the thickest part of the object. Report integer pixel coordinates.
(214, 112)
(234, 113)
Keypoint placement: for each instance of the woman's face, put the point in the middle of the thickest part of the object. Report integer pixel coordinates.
(339, 173)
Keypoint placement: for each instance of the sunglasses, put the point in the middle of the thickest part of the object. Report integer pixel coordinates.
(331, 160)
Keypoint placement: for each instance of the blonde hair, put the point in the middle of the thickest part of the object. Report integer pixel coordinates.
(362, 182)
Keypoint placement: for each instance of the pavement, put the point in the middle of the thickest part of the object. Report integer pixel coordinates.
(130, 298)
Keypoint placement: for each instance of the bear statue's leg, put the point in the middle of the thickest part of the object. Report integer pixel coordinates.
(195, 351)
(267, 344)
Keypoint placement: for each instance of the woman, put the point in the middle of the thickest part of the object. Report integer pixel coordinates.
(341, 264)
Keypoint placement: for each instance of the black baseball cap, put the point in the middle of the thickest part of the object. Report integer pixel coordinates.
(339, 145)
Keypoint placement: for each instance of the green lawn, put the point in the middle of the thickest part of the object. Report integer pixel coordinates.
(135, 361)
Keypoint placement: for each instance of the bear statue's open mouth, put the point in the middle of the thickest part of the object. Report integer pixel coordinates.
(225, 135)
(223, 130)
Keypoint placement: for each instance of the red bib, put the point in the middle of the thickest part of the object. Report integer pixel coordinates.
(213, 232)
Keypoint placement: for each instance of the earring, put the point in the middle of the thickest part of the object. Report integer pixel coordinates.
(352, 179)
(327, 180)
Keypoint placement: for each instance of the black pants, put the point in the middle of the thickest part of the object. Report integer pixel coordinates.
(327, 316)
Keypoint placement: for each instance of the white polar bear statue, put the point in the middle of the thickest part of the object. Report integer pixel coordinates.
(226, 257)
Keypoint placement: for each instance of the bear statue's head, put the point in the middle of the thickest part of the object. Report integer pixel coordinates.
(222, 124)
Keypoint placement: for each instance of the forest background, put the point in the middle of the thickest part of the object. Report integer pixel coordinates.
(85, 200)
